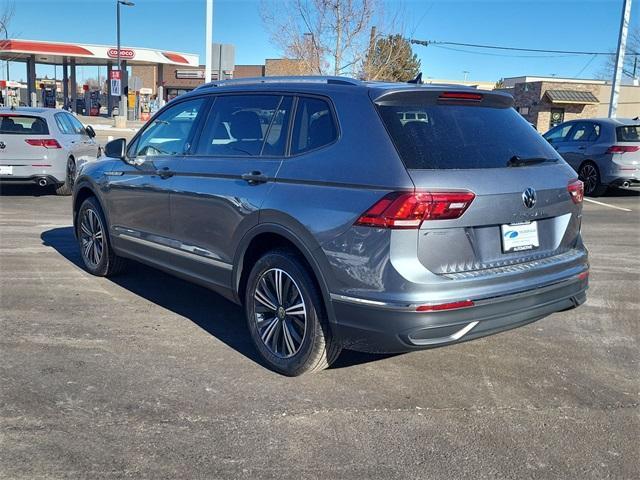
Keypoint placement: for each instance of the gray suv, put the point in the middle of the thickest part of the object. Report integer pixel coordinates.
(338, 220)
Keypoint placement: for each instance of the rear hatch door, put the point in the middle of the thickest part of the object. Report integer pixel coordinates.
(522, 209)
(20, 136)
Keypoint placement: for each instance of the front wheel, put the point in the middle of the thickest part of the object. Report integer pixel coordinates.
(286, 317)
(590, 176)
(93, 239)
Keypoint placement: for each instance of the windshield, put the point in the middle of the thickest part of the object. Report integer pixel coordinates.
(463, 137)
(628, 133)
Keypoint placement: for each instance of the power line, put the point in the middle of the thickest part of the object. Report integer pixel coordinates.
(489, 54)
(426, 43)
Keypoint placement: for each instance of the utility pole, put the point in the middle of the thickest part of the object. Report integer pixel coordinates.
(208, 41)
(622, 45)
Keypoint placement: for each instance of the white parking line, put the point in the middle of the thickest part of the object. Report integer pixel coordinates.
(607, 205)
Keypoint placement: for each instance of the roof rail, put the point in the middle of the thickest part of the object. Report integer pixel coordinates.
(284, 79)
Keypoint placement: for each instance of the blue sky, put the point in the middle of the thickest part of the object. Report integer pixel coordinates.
(179, 25)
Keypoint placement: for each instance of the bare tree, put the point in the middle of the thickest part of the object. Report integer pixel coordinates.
(325, 35)
(6, 14)
(631, 65)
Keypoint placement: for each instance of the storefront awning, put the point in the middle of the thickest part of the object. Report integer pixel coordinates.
(572, 96)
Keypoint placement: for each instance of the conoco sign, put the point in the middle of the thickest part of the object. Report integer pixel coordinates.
(125, 53)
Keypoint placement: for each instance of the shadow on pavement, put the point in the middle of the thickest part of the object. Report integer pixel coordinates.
(26, 190)
(623, 192)
(210, 311)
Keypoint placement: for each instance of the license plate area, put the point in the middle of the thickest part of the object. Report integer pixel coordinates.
(6, 169)
(519, 237)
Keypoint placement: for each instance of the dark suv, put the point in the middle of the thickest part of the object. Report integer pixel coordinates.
(344, 214)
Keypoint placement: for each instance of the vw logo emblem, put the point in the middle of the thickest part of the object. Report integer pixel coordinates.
(529, 197)
(2, 145)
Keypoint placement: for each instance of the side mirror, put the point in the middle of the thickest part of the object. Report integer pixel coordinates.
(90, 131)
(116, 148)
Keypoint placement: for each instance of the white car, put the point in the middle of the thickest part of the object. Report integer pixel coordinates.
(45, 146)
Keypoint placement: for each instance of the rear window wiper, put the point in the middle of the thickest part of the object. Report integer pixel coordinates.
(517, 161)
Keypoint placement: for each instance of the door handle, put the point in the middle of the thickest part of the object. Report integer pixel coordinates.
(582, 147)
(254, 178)
(165, 173)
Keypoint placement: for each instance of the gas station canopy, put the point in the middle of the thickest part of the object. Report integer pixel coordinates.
(55, 53)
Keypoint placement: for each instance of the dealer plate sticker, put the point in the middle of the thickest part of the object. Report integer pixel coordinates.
(519, 236)
(6, 169)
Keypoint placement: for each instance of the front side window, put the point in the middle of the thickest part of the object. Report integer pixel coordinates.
(171, 132)
(314, 126)
(23, 125)
(558, 134)
(246, 126)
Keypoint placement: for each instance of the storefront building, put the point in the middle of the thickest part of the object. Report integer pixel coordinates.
(547, 101)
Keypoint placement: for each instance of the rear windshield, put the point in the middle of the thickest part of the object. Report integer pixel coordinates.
(23, 125)
(628, 133)
(463, 137)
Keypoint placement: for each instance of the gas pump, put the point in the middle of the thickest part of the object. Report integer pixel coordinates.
(48, 93)
(144, 101)
(10, 93)
(94, 103)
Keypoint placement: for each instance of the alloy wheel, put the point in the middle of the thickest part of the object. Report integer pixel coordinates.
(280, 313)
(589, 175)
(91, 238)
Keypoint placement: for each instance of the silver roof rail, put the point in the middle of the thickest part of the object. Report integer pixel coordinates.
(283, 79)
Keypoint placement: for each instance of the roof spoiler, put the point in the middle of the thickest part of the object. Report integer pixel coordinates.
(445, 95)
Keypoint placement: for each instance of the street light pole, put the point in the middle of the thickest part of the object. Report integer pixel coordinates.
(122, 109)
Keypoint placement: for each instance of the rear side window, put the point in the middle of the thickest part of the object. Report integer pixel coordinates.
(585, 132)
(628, 133)
(23, 125)
(314, 125)
(462, 137)
(246, 126)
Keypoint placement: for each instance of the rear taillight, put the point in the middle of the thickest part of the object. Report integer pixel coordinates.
(43, 142)
(410, 209)
(466, 96)
(620, 149)
(576, 190)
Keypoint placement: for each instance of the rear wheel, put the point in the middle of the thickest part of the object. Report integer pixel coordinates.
(286, 317)
(93, 239)
(67, 187)
(590, 176)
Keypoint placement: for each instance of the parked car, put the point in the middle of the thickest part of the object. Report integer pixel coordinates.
(339, 223)
(43, 146)
(604, 151)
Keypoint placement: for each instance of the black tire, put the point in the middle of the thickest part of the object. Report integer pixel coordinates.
(65, 189)
(108, 263)
(317, 348)
(590, 176)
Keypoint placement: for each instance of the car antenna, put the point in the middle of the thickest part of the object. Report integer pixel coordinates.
(417, 80)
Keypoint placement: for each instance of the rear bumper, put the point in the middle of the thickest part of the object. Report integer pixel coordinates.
(390, 328)
(31, 180)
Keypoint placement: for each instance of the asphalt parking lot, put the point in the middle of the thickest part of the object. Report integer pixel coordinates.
(147, 376)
